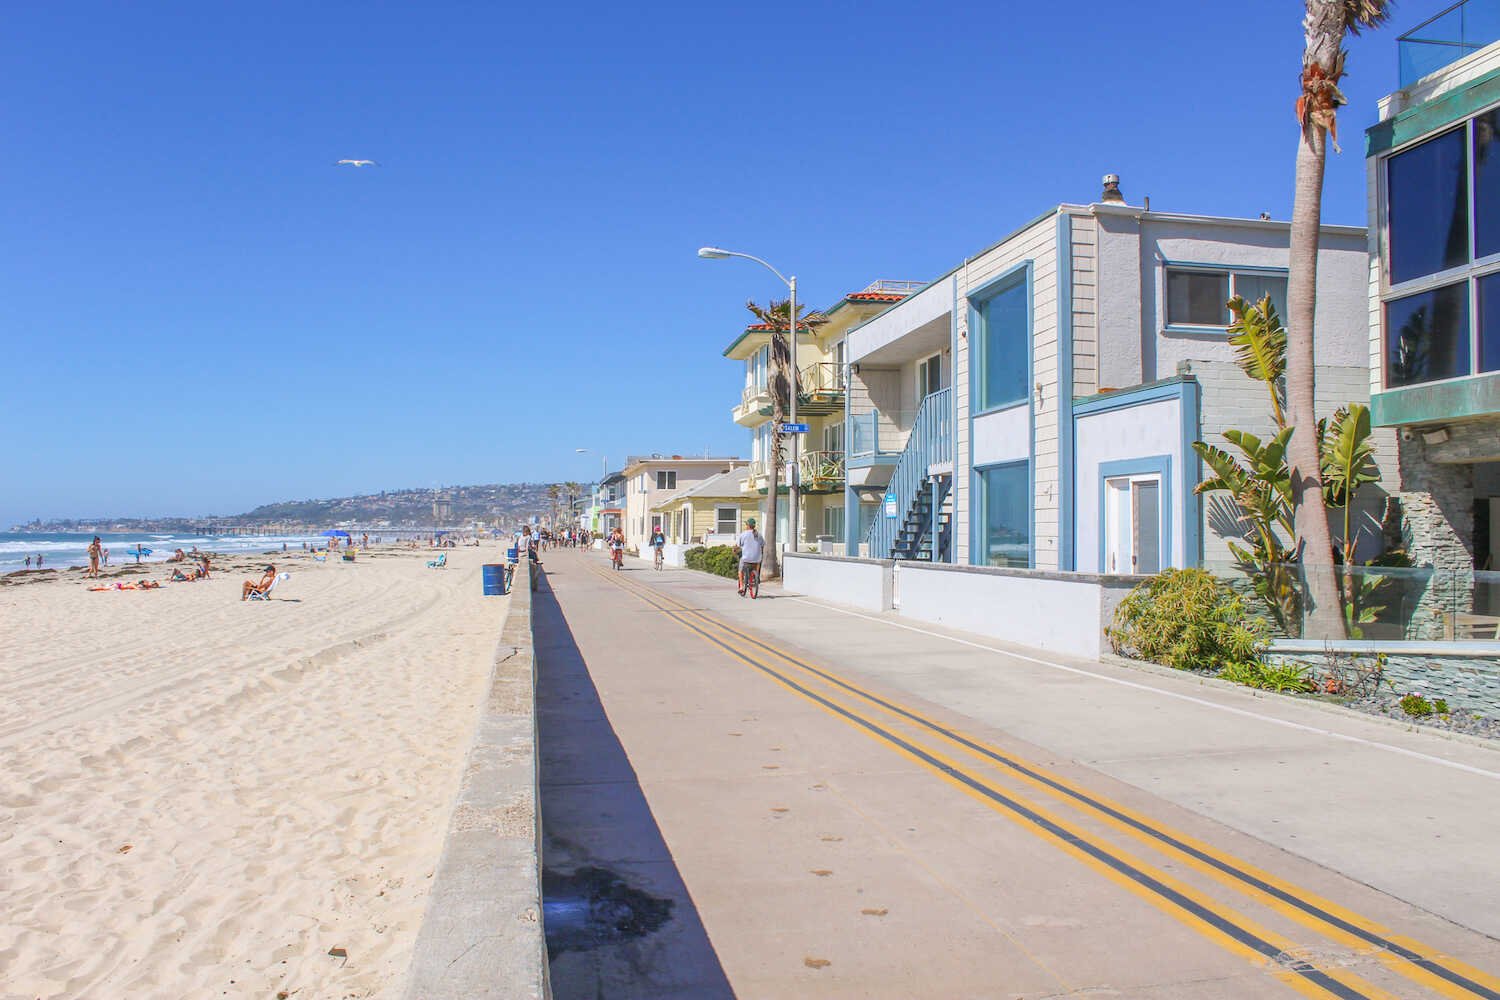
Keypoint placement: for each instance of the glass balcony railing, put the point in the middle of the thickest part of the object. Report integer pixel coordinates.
(1461, 29)
(878, 433)
(1381, 603)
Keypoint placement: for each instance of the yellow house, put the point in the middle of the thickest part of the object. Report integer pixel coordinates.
(822, 380)
(712, 512)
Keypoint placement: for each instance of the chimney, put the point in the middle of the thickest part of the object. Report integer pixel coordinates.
(1112, 193)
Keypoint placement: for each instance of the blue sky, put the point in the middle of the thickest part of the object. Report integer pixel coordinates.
(200, 313)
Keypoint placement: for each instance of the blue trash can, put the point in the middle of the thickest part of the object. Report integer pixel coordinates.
(494, 579)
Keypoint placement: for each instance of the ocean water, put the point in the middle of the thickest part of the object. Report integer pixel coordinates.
(62, 549)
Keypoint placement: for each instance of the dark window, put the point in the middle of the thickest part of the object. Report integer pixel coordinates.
(1489, 323)
(666, 479)
(1197, 298)
(1003, 354)
(1427, 336)
(1005, 533)
(1428, 207)
(1487, 184)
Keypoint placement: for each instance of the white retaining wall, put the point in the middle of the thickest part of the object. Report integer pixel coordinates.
(859, 583)
(1059, 612)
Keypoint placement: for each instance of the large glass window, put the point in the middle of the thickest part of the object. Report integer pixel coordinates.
(1005, 500)
(1427, 336)
(1001, 340)
(1427, 207)
(1489, 323)
(1487, 184)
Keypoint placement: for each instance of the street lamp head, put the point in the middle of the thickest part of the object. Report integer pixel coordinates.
(712, 253)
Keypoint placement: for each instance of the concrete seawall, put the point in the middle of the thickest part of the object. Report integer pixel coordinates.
(482, 935)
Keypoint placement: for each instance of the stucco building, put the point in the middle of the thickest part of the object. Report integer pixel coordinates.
(1035, 407)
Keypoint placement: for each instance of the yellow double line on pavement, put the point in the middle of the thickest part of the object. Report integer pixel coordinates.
(1443, 975)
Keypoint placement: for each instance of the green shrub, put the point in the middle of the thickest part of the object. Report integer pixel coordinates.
(1416, 706)
(1269, 676)
(1185, 618)
(1440, 706)
(719, 560)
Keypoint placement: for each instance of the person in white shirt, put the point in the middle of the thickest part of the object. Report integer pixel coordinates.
(751, 548)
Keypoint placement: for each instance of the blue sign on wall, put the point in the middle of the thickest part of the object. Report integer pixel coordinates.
(794, 428)
(890, 505)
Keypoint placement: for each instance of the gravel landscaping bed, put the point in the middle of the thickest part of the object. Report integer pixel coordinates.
(1458, 721)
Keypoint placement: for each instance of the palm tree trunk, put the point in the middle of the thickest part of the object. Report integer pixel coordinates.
(1323, 619)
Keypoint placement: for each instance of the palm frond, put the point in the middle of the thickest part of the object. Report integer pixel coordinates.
(1366, 14)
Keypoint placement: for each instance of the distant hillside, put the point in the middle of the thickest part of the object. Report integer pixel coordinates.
(502, 502)
(496, 504)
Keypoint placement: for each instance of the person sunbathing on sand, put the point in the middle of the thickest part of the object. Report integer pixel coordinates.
(251, 587)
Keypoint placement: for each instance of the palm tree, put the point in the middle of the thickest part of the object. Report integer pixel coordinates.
(1324, 29)
(553, 491)
(574, 489)
(775, 316)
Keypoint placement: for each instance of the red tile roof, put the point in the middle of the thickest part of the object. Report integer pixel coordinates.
(874, 296)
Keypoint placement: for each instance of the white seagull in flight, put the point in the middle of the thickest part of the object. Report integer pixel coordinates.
(356, 163)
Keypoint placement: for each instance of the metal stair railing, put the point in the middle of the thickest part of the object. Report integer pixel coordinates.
(931, 441)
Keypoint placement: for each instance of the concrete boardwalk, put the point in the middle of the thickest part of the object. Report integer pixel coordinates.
(783, 799)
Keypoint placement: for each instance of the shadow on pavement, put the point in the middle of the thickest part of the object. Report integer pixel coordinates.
(619, 921)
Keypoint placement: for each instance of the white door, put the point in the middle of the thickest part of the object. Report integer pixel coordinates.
(1132, 524)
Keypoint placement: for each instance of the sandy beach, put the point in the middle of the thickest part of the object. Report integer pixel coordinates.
(201, 797)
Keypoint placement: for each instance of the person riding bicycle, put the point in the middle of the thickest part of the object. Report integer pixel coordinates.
(658, 543)
(750, 547)
(617, 546)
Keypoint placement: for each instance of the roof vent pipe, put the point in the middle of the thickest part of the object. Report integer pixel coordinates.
(1112, 190)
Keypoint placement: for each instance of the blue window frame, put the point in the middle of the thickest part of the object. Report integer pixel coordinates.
(1002, 344)
(1004, 526)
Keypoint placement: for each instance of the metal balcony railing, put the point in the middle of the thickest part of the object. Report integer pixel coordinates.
(1458, 31)
(821, 379)
(821, 469)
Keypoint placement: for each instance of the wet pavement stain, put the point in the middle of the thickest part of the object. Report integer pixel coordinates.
(593, 907)
(810, 962)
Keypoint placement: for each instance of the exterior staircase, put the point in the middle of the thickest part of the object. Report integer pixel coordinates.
(925, 495)
(926, 536)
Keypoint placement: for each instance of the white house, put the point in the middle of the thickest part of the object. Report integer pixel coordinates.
(1035, 407)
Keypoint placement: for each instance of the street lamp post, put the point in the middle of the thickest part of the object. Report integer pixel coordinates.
(795, 492)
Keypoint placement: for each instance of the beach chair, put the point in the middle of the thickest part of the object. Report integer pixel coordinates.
(269, 590)
(441, 562)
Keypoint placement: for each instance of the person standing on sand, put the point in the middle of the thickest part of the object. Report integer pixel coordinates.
(38, 560)
(28, 562)
(94, 551)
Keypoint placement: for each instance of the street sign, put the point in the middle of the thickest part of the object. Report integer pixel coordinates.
(890, 505)
(794, 428)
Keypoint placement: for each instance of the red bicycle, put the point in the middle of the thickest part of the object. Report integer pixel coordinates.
(617, 556)
(752, 581)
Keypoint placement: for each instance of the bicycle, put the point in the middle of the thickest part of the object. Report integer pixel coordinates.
(752, 581)
(659, 558)
(617, 557)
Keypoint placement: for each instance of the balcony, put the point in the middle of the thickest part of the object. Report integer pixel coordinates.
(754, 406)
(1460, 30)
(822, 471)
(821, 389)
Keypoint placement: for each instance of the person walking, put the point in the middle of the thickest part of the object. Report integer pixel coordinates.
(28, 562)
(95, 551)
